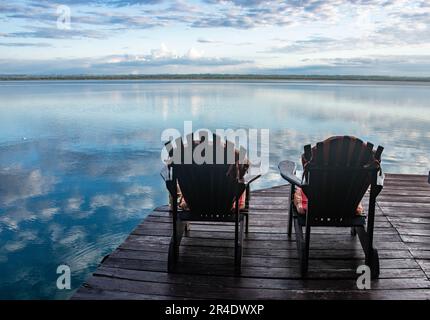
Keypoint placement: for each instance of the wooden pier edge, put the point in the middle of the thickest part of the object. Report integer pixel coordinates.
(137, 269)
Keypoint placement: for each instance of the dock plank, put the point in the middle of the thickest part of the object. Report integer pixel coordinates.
(137, 269)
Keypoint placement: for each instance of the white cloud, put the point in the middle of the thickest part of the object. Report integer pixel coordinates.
(138, 190)
(19, 184)
(194, 54)
(48, 213)
(12, 218)
(162, 53)
(20, 241)
(74, 235)
(156, 59)
(130, 204)
(73, 204)
(373, 27)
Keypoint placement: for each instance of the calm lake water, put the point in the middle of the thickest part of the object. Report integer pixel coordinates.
(80, 161)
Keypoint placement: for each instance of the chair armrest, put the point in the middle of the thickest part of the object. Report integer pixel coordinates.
(165, 174)
(287, 169)
(380, 179)
(249, 179)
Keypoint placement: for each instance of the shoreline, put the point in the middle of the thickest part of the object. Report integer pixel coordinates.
(219, 77)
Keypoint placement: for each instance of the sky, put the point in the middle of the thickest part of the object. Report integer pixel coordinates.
(332, 37)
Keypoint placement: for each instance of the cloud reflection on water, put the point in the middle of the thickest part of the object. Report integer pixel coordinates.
(87, 171)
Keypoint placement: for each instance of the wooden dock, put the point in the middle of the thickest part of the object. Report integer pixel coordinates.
(137, 269)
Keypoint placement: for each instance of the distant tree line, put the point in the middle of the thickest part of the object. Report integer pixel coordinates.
(211, 77)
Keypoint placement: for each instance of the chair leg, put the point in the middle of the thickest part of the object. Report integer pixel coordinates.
(305, 251)
(371, 254)
(290, 221)
(238, 246)
(172, 257)
(175, 241)
(301, 247)
(374, 264)
(290, 213)
(372, 257)
(187, 229)
(247, 198)
(247, 222)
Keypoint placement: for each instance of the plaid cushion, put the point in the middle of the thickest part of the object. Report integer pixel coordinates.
(241, 202)
(301, 203)
(182, 204)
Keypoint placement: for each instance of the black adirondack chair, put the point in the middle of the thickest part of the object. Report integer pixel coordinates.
(337, 174)
(210, 190)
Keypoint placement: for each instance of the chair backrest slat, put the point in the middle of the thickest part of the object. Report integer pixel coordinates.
(339, 172)
(210, 187)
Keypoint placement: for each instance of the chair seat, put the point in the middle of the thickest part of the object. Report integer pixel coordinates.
(187, 215)
(355, 222)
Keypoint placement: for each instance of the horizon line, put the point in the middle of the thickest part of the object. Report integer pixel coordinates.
(209, 76)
